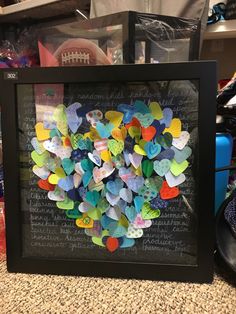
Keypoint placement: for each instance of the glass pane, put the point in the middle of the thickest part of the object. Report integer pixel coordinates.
(131, 212)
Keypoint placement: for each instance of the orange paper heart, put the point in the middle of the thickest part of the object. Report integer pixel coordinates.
(134, 122)
(45, 185)
(112, 244)
(119, 134)
(148, 133)
(167, 192)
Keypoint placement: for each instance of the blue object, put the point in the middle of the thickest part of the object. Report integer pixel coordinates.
(224, 146)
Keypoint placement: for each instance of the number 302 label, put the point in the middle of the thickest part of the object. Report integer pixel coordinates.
(11, 75)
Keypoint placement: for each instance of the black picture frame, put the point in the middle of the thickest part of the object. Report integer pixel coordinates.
(205, 73)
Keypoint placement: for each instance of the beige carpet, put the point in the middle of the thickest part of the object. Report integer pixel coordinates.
(20, 293)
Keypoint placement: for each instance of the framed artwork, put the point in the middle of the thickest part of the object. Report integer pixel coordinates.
(109, 170)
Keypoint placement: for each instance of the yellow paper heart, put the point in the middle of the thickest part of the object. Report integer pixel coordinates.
(84, 222)
(177, 169)
(142, 143)
(119, 134)
(60, 117)
(59, 174)
(175, 128)
(92, 135)
(123, 221)
(134, 132)
(137, 171)
(105, 155)
(114, 117)
(139, 150)
(156, 110)
(41, 133)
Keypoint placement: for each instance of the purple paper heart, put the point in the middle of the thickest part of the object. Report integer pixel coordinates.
(73, 120)
(166, 154)
(158, 203)
(82, 192)
(135, 184)
(126, 173)
(96, 231)
(73, 194)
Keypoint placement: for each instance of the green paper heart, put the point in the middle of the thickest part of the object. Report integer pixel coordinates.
(147, 193)
(94, 213)
(162, 167)
(66, 204)
(85, 144)
(98, 241)
(147, 168)
(149, 213)
(73, 213)
(165, 140)
(103, 205)
(68, 165)
(154, 183)
(144, 119)
(115, 147)
(177, 169)
(118, 161)
(74, 139)
(41, 159)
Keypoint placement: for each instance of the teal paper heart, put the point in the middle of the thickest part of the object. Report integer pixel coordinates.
(182, 155)
(144, 119)
(87, 165)
(68, 165)
(140, 107)
(116, 231)
(147, 193)
(152, 149)
(87, 176)
(55, 132)
(92, 197)
(104, 130)
(138, 203)
(127, 242)
(85, 144)
(162, 167)
(131, 213)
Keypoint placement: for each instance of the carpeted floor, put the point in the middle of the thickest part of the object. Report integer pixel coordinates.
(21, 293)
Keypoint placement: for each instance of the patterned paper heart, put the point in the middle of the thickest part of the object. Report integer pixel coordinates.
(73, 120)
(173, 180)
(135, 159)
(162, 167)
(128, 112)
(181, 155)
(144, 119)
(134, 233)
(115, 147)
(41, 172)
(152, 149)
(38, 146)
(149, 213)
(181, 141)
(114, 187)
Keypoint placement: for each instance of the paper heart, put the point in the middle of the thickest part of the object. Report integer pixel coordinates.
(87, 177)
(55, 146)
(125, 174)
(74, 139)
(55, 177)
(55, 132)
(95, 186)
(148, 133)
(92, 134)
(131, 213)
(106, 156)
(144, 119)
(74, 195)
(126, 195)
(173, 180)
(104, 130)
(53, 163)
(127, 243)
(181, 155)
(94, 116)
(162, 167)
(166, 154)
(154, 183)
(66, 204)
(122, 204)
(175, 128)
(159, 127)
(181, 141)
(140, 223)
(68, 165)
(96, 231)
(134, 233)
(73, 213)
(152, 149)
(115, 117)
(100, 145)
(126, 157)
(149, 213)
(114, 213)
(128, 112)
(134, 132)
(135, 184)
(119, 134)
(48, 122)
(60, 117)
(177, 169)
(82, 192)
(134, 122)
(167, 117)
(112, 244)
(95, 214)
(95, 158)
(106, 221)
(138, 203)
(135, 159)
(84, 207)
(41, 172)
(45, 185)
(66, 183)
(77, 154)
(85, 144)
(87, 165)
(66, 141)
(41, 159)
(165, 140)
(116, 230)
(38, 146)
(41, 133)
(85, 222)
(147, 193)
(79, 169)
(156, 110)
(167, 192)
(115, 147)
(98, 240)
(118, 161)
(112, 199)
(77, 178)
(139, 150)
(158, 203)
(147, 167)
(98, 174)
(140, 107)
(114, 187)
(73, 120)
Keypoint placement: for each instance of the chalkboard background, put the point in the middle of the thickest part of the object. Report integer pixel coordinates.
(48, 233)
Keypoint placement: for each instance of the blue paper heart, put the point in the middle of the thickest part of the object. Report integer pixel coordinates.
(104, 130)
(152, 149)
(87, 165)
(138, 203)
(116, 231)
(77, 154)
(166, 154)
(115, 186)
(139, 106)
(127, 242)
(122, 205)
(73, 120)
(131, 213)
(66, 183)
(167, 116)
(82, 192)
(158, 203)
(126, 157)
(181, 155)
(128, 112)
(73, 213)
(135, 184)
(158, 126)
(74, 195)
(87, 176)
(106, 221)
(92, 197)
(68, 165)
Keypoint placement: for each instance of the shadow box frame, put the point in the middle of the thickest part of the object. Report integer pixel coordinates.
(205, 73)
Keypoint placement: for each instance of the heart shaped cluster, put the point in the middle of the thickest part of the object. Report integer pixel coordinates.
(118, 175)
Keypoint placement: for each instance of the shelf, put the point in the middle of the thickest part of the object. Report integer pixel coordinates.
(41, 10)
(221, 30)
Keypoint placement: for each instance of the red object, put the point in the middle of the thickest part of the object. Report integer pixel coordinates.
(45, 185)
(148, 133)
(112, 244)
(167, 192)
(134, 122)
